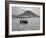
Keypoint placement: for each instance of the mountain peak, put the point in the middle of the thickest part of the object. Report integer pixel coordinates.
(27, 14)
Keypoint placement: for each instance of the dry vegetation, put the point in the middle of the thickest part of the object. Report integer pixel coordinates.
(33, 24)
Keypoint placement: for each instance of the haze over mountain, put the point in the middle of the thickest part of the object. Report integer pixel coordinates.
(26, 14)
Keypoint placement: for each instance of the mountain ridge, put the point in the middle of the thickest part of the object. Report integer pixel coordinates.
(26, 14)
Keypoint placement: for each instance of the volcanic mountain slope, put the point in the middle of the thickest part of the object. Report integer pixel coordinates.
(27, 14)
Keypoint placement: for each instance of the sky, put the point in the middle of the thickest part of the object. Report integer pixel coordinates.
(20, 10)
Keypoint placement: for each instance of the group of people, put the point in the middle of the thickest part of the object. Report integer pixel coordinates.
(23, 22)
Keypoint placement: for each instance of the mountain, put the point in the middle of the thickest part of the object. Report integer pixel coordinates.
(26, 14)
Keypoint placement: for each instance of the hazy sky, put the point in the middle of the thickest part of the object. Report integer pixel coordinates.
(20, 10)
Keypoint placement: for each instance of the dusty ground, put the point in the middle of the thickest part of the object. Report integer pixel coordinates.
(33, 24)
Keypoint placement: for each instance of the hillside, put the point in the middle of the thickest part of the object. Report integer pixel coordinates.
(26, 14)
